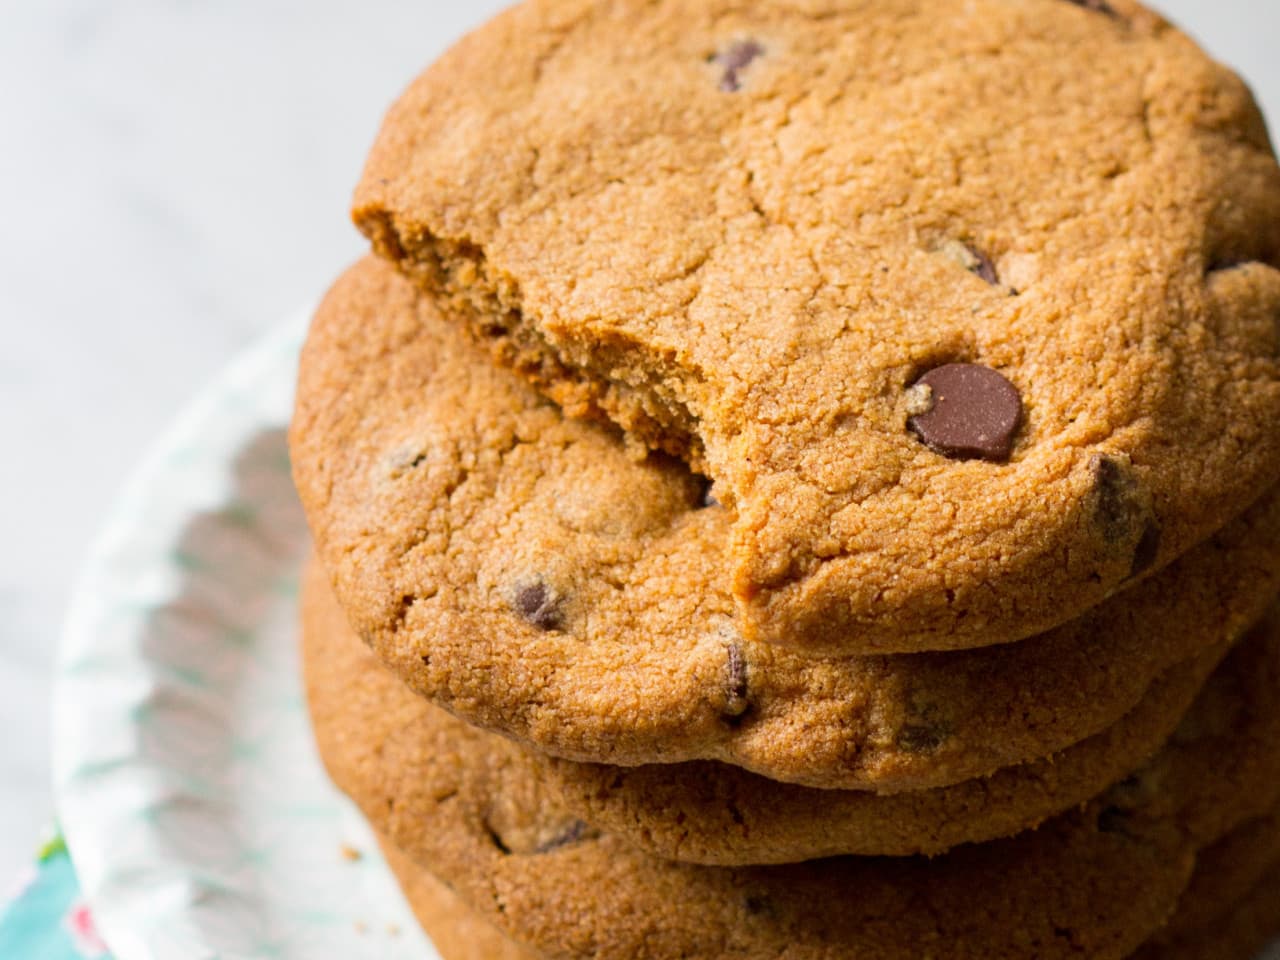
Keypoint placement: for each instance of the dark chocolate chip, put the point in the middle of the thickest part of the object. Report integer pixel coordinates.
(921, 738)
(925, 728)
(758, 905)
(984, 267)
(1098, 6)
(737, 700)
(538, 604)
(735, 59)
(496, 839)
(1122, 510)
(972, 259)
(968, 412)
(1116, 498)
(1147, 550)
(572, 834)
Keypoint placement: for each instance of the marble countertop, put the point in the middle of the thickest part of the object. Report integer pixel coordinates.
(173, 181)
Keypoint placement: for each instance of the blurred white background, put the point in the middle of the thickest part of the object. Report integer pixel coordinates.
(173, 181)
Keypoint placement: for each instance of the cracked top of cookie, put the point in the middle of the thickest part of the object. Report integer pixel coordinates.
(969, 311)
(521, 569)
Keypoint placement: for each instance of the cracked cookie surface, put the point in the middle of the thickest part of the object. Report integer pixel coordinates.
(1095, 882)
(523, 570)
(746, 232)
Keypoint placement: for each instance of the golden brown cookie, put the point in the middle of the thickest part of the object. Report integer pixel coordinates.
(718, 814)
(967, 309)
(522, 570)
(1095, 882)
(709, 812)
(1239, 925)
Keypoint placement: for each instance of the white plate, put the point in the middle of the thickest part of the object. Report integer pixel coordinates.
(196, 811)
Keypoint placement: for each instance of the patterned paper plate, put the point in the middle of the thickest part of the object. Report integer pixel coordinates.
(195, 808)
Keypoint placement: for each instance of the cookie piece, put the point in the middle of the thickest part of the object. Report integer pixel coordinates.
(713, 813)
(1095, 882)
(756, 263)
(522, 570)
(1239, 928)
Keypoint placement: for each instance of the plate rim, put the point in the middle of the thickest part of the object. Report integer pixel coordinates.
(81, 638)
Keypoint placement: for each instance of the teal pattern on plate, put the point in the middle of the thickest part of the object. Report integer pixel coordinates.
(47, 918)
(200, 822)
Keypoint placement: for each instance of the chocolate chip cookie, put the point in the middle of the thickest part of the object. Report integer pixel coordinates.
(527, 572)
(1238, 925)
(1095, 882)
(713, 813)
(966, 310)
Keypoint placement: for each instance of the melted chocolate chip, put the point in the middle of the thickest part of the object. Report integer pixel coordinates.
(538, 604)
(734, 60)
(737, 690)
(972, 412)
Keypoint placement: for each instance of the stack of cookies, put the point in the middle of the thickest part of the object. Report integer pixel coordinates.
(799, 479)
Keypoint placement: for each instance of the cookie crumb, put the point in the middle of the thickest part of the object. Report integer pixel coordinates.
(919, 399)
(350, 853)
